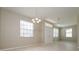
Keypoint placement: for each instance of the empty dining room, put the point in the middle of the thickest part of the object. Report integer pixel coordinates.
(39, 28)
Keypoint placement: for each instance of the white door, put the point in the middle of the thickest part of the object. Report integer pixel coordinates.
(48, 34)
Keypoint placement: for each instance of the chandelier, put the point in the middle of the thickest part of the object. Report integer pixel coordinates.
(36, 20)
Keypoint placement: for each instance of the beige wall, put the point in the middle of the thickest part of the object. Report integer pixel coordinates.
(78, 31)
(74, 33)
(9, 31)
(0, 25)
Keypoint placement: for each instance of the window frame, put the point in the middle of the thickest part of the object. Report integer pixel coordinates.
(67, 32)
(25, 30)
(55, 32)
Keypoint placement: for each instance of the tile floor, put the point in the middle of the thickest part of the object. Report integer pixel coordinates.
(55, 46)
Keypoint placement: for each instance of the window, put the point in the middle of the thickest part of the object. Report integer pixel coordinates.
(55, 32)
(69, 32)
(26, 29)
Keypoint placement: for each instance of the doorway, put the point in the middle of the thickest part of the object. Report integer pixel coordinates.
(48, 33)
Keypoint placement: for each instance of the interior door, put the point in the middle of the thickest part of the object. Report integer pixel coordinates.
(48, 34)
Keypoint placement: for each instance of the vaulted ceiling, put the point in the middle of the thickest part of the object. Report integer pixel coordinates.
(63, 16)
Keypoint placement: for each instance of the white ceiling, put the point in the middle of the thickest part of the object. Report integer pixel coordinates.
(63, 16)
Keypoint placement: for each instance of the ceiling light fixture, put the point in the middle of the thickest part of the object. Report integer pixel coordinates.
(36, 20)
